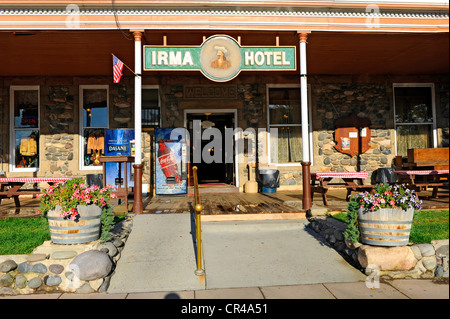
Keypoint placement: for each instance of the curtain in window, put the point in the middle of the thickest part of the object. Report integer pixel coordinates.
(413, 136)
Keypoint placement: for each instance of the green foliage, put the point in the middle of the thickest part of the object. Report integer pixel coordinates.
(21, 235)
(429, 225)
(352, 232)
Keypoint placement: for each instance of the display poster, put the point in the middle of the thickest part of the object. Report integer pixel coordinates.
(119, 142)
(170, 166)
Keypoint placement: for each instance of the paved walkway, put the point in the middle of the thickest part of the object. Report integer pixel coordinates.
(160, 255)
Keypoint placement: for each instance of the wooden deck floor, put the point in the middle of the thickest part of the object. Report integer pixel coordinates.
(231, 203)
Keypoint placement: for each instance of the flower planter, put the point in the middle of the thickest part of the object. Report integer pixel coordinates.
(66, 231)
(385, 226)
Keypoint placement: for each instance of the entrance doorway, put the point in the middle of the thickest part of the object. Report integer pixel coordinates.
(217, 172)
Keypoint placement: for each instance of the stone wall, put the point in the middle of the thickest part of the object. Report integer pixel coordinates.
(82, 268)
(410, 261)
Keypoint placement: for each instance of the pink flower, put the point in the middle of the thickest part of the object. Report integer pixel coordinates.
(38, 212)
(392, 203)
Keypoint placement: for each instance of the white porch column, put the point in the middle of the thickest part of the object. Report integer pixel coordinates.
(137, 206)
(306, 163)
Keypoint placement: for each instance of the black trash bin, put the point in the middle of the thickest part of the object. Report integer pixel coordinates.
(94, 179)
(268, 179)
(385, 176)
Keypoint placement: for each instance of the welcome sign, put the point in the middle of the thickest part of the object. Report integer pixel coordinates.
(220, 58)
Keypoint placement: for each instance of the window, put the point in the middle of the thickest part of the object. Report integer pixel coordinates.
(414, 116)
(284, 115)
(150, 106)
(24, 128)
(93, 122)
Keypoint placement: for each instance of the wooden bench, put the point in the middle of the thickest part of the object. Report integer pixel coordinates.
(11, 186)
(353, 181)
(427, 178)
(425, 158)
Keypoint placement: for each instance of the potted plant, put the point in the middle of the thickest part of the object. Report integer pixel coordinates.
(382, 217)
(77, 213)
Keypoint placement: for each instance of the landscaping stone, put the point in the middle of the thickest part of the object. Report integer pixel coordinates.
(36, 257)
(52, 280)
(39, 268)
(416, 252)
(109, 248)
(25, 267)
(429, 262)
(8, 265)
(65, 254)
(35, 282)
(56, 268)
(85, 289)
(442, 251)
(426, 250)
(7, 292)
(21, 281)
(91, 265)
(387, 258)
(6, 280)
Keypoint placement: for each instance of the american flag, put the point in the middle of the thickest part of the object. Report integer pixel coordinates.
(117, 69)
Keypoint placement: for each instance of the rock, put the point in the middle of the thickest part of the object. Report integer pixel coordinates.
(416, 252)
(21, 281)
(118, 243)
(85, 289)
(105, 285)
(25, 267)
(36, 257)
(52, 280)
(35, 282)
(429, 262)
(8, 265)
(6, 280)
(426, 250)
(387, 258)
(340, 246)
(56, 268)
(64, 254)
(442, 250)
(39, 268)
(111, 250)
(7, 292)
(439, 272)
(91, 265)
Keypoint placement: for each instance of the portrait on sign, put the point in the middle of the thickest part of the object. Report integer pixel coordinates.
(220, 58)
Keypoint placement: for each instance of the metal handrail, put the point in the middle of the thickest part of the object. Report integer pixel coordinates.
(198, 228)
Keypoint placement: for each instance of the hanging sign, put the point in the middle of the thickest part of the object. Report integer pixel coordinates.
(220, 58)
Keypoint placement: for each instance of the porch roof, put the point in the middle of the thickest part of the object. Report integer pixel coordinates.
(88, 53)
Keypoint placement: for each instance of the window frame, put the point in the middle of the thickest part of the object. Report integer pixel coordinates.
(12, 161)
(289, 86)
(154, 87)
(433, 111)
(83, 167)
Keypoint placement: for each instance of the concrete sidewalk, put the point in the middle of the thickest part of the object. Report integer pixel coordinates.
(160, 255)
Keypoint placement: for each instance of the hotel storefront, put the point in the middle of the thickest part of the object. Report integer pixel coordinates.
(57, 95)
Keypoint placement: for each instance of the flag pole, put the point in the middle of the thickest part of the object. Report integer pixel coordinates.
(127, 67)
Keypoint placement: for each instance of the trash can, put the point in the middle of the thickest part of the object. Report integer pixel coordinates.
(268, 179)
(94, 179)
(385, 176)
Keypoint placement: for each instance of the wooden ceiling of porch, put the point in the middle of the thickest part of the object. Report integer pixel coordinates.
(88, 53)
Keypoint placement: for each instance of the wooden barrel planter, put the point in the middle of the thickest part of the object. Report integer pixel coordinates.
(385, 227)
(66, 231)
